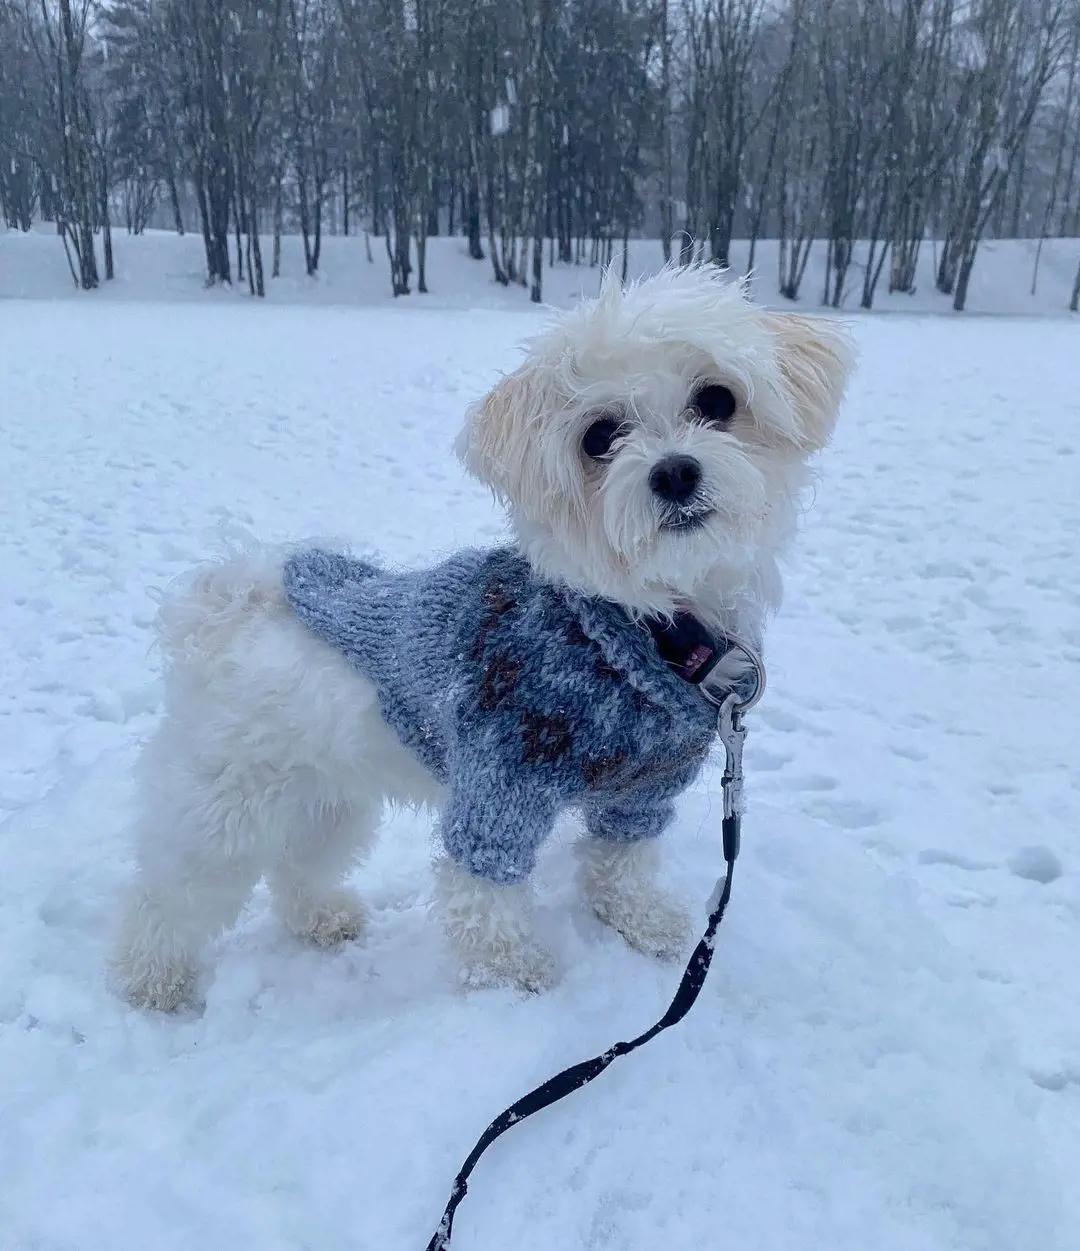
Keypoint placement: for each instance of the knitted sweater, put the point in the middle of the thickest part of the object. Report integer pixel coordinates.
(522, 698)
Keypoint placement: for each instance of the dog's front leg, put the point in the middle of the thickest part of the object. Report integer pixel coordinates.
(482, 892)
(618, 867)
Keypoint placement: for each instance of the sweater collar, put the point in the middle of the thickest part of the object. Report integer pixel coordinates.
(664, 659)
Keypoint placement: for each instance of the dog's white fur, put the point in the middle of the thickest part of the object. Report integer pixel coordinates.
(272, 758)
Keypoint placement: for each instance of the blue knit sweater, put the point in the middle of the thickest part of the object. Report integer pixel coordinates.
(521, 697)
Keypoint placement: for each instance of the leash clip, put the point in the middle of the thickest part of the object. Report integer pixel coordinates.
(731, 705)
(733, 735)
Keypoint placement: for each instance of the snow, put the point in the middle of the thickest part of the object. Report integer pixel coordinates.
(887, 1053)
(158, 266)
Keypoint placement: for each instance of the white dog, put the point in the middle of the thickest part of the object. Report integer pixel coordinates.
(651, 450)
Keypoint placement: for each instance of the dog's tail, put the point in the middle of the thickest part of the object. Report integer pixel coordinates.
(202, 610)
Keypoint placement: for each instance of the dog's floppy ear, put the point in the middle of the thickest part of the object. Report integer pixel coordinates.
(816, 357)
(492, 442)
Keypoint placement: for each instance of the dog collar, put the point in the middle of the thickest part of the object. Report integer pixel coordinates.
(693, 653)
(685, 644)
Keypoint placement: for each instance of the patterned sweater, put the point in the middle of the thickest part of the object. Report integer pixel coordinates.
(522, 698)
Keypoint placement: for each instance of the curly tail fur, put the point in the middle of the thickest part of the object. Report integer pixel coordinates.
(204, 607)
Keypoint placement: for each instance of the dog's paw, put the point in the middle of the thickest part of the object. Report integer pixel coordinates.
(490, 929)
(156, 987)
(146, 966)
(652, 922)
(530, 968)
(618, 880)
(338, 917)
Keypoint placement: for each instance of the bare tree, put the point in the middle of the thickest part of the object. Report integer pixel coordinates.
(1069, 121)
(800, 193)
(60, 39)
(24, 110)
(856, 128)
(664, 132)
(849, 54)
(1013, 48)
(723, 39)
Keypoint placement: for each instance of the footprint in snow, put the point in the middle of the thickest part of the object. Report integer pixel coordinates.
(846, 814)
(812, 782)
(907, 752)
(787, 723)
(760, 759)
(931, 855)
(1057, 1079)
(1036, 864)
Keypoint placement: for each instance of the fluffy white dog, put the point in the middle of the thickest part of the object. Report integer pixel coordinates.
(651, 450)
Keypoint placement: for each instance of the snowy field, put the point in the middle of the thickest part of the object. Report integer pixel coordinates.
(887, 1054)
(159, 265)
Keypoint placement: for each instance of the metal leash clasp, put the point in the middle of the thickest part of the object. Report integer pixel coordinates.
(731, 706)
(733, 735)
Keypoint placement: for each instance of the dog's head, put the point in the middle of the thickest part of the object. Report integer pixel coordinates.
(658, 434)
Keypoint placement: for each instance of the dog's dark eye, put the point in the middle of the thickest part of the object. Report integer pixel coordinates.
(598, 438)
(715, 404)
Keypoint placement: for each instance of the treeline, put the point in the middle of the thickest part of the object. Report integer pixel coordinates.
(547, 130)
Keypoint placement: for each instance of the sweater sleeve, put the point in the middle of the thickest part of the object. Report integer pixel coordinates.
(494, 821)
(628, 819)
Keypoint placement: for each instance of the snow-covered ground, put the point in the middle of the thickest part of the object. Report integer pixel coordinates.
(159, 265)
(887, 1054)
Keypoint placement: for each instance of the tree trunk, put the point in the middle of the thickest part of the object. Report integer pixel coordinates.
(963, 276)
(486, 193)
(316, 251)
(476, 247)
(541, 102)
(667, 158)
(174, 200)
(106, 217)
(421, 255)
(106, 240)
(1059, 160)
(947, 266)
(240, 213)
(758, 216)
(255, 263)
(250, 266)
(536, 290)
(275, 271)
(204, 223)
(76, 157)
(399, 235)
(305, 219)
(565, 229)
(878, 251)
(219, 202)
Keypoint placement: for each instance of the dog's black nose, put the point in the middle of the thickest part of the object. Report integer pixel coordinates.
(675, 478)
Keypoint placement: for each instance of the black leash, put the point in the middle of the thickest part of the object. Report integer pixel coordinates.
(562, 1084)
(578, 1075)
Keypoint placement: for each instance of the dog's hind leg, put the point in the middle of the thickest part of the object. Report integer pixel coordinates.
(199, 856)
(318, 852)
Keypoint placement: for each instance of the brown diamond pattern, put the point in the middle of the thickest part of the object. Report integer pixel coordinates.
(500, 677)
(545, 738)
(498, 602)
(599, 770)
